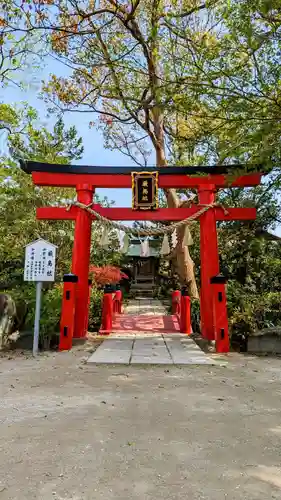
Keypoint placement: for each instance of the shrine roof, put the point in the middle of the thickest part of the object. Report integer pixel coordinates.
(134, 249)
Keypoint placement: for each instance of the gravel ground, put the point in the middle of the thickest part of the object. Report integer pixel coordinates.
(77, 432)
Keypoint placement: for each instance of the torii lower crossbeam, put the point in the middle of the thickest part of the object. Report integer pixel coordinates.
(127, 214)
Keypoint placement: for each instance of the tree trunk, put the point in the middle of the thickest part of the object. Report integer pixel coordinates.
(182, 261)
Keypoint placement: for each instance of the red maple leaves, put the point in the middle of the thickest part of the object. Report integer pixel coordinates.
(107, 275)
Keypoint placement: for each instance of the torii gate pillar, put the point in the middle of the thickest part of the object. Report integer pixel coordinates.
(81, 259)
(209, 260)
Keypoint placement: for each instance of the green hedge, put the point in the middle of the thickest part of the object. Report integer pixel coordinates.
(51, 307)
(95, 309)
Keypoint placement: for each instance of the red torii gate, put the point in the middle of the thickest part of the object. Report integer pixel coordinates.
(85, 179)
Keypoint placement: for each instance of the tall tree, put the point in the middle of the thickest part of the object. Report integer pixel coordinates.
(142, 66)
(126, 64)
(238, 97)
(41, 144)
(18, 225)
(14, 120)
(16, 50)
(19, 197)
(251, 258)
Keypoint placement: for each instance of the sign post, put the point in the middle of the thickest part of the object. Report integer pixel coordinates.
(37, 317)
(39, 267)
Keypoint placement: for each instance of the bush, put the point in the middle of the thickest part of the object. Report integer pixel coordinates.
(95, 309)
(51, 311)
(51, 308)
(51, 300)
(249, 311)
(107, 275)
(195, 316)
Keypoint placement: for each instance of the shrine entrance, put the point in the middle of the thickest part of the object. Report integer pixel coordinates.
(144, 269)
(85, 179)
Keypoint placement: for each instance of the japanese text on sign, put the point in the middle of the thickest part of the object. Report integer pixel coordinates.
(40, 261)
(145, 190)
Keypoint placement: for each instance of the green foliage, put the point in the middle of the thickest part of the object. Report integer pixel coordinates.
(95, 309)
(17, 52)
(50, 311)
(20, 198)
(250, 311)
(204, 78)
(253, 265)
(50, 307)
(235, 118)
(60, 145)
(8, 117)
(18, 223)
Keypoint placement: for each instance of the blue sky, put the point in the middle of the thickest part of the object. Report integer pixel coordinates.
(94, 152)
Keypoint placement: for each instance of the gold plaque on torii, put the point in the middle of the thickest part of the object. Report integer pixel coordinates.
(144, 190)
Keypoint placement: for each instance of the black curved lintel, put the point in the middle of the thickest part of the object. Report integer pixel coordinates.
(35, 166)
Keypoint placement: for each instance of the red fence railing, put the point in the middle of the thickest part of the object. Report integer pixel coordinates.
(181, 308)
(111, 305)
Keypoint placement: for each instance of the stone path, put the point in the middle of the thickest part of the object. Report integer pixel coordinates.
(145, 335)
(144, 306)
(152, 349)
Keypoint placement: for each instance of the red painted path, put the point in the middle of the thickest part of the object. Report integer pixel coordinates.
(145, 323)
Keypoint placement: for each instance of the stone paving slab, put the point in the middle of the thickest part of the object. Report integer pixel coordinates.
(145, 306)
(132, 335)
(176, 345)
(113, 351)
(150, 350)
(111, 359)
(148, 360)
(154, 341)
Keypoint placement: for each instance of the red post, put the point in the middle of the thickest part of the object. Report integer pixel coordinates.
(181, 308)
(89, 304)
(176, 300)
(107, 311)
(68, 312)
(209, 259)
(81, 259)
(118, 301)
(220, 313)
(185, 320)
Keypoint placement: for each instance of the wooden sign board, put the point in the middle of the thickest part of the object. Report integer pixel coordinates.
(40, 261)
(144, 190)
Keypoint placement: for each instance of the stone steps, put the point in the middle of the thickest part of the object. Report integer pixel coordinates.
(149, 293)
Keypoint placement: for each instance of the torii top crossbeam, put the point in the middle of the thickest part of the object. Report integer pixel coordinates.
(46, 174)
